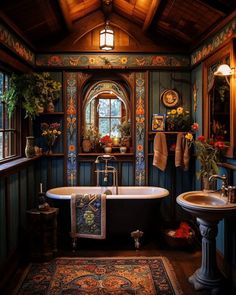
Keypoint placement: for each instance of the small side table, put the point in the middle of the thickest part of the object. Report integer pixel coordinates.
(42, 233)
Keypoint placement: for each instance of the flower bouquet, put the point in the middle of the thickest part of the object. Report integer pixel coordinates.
(106, 140)
(50, 132)
(178, 120)
(209, 152)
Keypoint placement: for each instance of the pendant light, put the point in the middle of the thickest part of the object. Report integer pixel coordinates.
(107, 37)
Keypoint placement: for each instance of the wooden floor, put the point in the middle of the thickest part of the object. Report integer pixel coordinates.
(184, 262)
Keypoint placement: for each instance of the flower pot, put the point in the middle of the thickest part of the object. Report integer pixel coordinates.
(86, 145)
(50, 107)
(123, 149)
(107, 149)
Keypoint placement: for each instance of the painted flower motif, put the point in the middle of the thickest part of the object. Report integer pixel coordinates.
(92, 60)
(139, 147)
(71, 148)
(173, 112)
(123, 60)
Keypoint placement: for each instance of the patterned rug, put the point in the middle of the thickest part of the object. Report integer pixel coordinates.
(113, 276)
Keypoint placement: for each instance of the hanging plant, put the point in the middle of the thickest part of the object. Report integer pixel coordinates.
(30, 91)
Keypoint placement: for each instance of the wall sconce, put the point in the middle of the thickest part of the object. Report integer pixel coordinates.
(224, 70)
(107, 38)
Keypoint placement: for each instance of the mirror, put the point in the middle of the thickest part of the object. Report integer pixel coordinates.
(219, 99)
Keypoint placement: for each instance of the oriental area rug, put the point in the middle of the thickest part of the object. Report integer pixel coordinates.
(113, 276)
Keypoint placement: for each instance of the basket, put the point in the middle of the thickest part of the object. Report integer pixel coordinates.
(178, 242)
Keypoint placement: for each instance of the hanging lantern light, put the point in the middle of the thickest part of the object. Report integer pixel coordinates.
(107, 38)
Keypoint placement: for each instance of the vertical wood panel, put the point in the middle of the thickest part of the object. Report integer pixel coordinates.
(13, 212)
(3, 237)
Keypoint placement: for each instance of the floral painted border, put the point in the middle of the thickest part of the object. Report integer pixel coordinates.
(92, 60)
(140, 88)
(213, 43)
(71, 127)
(12, 42)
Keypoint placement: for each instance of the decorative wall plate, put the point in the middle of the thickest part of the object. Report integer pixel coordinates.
(170, 98)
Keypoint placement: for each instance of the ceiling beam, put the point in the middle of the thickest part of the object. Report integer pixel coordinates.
(150, 15)
(66, 14)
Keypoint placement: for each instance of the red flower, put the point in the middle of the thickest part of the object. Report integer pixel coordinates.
(201, 138)
(106, 140)
(219, 145)
(195, 126)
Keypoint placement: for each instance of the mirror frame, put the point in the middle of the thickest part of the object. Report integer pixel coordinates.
(220, 57)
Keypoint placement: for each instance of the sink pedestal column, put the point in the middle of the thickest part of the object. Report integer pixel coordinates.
(208, 275)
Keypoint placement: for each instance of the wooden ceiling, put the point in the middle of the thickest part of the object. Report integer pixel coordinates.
(177, 23)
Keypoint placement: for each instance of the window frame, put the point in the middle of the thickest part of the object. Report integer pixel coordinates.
(14, 126)
(109, 117)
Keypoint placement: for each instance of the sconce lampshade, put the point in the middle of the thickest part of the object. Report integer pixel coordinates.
(223, 70)
(107, 38)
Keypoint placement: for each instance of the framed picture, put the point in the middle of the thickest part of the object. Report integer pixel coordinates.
(158, 122)
(170, 98)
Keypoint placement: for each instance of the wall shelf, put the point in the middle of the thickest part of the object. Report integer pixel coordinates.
(51, 114)
(53, 155)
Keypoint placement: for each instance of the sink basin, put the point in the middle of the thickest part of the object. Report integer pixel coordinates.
(205, 199)
(205, 203)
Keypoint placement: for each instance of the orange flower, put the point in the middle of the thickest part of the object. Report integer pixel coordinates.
(71, 148)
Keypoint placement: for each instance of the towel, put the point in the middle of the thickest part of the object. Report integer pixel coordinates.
(182, 155)
(160, 151)
(179, 150)
(88, 216)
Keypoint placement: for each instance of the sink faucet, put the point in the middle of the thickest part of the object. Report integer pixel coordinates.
(107, 169)
(224, 183)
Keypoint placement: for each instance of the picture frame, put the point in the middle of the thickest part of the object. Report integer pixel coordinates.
(170, 98)
(158, 122)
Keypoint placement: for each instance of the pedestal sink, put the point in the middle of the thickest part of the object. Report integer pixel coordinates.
(209, 208)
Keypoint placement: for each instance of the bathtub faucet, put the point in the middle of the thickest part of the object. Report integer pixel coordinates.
(107, 169)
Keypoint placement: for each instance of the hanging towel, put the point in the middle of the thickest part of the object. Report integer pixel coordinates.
(88, 216)
(182, 155)
(186, 154)
(160, 151)
(179, 150)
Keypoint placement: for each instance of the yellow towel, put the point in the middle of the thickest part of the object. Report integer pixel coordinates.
(182, 152)
(160, 151)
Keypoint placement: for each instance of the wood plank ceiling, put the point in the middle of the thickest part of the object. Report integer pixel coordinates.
(45, 23)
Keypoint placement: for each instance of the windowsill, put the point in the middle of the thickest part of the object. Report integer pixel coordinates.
(15, 164)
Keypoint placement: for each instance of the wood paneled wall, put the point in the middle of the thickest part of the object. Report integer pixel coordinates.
(18, 193)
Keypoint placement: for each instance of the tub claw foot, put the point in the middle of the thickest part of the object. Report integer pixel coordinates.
(137, 234)
(74, 244)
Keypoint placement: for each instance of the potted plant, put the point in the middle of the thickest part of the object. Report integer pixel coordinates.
(125, 132)
(30, 91)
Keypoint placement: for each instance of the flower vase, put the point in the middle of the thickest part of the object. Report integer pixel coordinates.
(29, 148)
(107, 149)
(205, 183)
